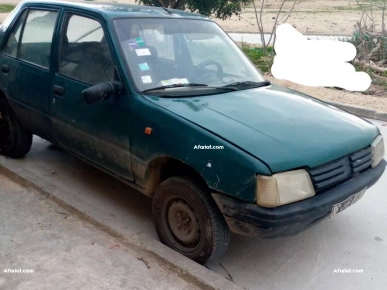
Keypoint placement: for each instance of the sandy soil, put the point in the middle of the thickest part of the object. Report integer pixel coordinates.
(309, 17)
(377, 100)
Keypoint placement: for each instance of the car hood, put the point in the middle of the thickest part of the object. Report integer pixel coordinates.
(281, 127)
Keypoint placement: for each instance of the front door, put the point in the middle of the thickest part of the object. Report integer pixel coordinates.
(98, 132)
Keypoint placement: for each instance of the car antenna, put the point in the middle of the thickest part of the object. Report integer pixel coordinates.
(159, 5)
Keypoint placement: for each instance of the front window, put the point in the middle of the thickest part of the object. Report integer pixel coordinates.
(85, 54)
(169, 52)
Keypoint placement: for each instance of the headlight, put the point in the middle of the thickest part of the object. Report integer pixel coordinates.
(283, 188)
(377, 149)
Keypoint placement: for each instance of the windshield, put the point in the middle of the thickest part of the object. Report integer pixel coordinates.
(170, 52)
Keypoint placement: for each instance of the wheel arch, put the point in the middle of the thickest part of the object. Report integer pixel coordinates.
(164, 167)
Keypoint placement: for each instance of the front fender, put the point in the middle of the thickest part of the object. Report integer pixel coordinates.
(229, 170)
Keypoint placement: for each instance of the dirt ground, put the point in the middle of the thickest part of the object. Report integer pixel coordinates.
(309, 17)
(376, 100)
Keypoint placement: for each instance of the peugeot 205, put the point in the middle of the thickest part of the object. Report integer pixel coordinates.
(137, 91)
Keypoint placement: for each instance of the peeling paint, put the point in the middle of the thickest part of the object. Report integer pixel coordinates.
(216, 183)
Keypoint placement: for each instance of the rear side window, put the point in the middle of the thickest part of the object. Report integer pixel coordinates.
(32, 41)
(36, 40)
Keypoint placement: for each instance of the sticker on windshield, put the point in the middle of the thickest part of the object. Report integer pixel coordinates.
(136, 42)
(144, 66)
(174, 82)
(143, 52)
(146, 79)
(140, 41)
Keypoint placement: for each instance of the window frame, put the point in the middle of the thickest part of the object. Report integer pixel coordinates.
(10, 28)
(63, 30)
(9, 33)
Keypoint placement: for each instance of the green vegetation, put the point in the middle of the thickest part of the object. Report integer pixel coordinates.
(6, 8)
(258, 57)
(370, 41)
(220, 8)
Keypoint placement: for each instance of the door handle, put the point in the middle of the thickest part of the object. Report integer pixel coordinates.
(5, 68)
(58, 90)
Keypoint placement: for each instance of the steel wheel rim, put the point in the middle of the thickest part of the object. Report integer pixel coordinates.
(182, 224)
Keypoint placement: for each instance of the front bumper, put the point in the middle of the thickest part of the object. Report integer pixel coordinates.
(287, 220)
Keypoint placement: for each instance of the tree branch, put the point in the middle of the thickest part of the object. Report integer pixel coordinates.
(290, 12)
(383, 21)
(373, 67)
(275, 23)
(260, 28)
(260, 19)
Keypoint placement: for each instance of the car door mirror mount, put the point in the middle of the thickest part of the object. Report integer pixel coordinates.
(100, 92)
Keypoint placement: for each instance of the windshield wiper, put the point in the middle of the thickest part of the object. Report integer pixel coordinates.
(248, 84)
(187, 86)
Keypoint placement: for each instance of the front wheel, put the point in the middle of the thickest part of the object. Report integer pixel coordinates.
(15, 141)
(188, 220)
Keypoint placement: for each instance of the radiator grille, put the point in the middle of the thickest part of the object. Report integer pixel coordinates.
(341, 169)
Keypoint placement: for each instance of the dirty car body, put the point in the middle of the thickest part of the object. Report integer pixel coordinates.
(137, 91)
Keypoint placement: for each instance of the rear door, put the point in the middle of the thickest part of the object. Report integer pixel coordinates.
(25, 68)
(98, 132)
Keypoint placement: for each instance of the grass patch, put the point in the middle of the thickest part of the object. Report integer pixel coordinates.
(258, 57)
(5, 8)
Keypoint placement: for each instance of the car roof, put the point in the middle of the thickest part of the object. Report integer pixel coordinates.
(117, 10)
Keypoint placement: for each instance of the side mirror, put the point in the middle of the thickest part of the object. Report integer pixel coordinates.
(100, 92)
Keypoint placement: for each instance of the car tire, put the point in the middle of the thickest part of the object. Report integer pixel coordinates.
(188, 220)
(15, 141)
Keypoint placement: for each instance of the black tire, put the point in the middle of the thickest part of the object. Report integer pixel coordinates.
(176, 203)
(15, 141)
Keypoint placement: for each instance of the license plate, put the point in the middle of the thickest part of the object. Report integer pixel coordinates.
(347, 203)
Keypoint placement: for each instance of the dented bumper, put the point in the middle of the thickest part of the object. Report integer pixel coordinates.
(252, 220)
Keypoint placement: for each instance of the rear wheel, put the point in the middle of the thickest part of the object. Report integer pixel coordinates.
(188, 220)
(15, 141)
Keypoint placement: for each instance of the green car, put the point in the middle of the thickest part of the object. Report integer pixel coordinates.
(165, 101)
